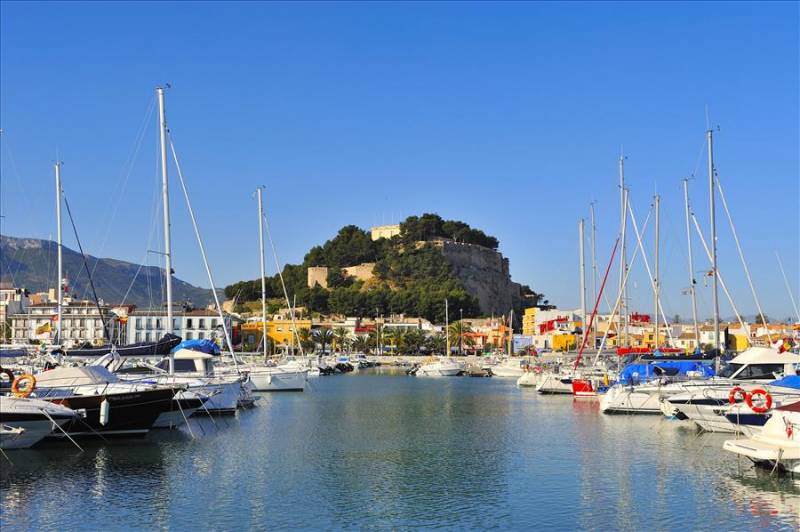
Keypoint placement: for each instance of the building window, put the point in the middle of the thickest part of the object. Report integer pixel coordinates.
(148, 337)
(176, 326)
(189, 335)
(189, 324)
(149, 324)
(202, 324)
(158, 323)
(201, 335)
(138, 337)
(214, 323)
(139, 324)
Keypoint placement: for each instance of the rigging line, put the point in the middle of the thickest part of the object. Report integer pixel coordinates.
(596, 304)
(129, 163)
(144, 259)
(650, 275)
(741, 256)
(788, 287)
(283, 285)
(202, 252)
(613, 313)
(719, 278)
(85, 263)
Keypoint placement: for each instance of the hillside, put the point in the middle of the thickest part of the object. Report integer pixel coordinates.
(31, 263)
(413, 272)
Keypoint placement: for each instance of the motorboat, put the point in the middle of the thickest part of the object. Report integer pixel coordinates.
(26, 421)
(442, 367)
(510, 367)
(777, 445)
(704, 401)
(642, 387)
(287, 377)
(113, 407)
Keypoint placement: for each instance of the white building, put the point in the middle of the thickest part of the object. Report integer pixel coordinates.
(149, 325)
(82, 321)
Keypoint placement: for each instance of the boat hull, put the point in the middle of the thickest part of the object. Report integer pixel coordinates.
(129, 415)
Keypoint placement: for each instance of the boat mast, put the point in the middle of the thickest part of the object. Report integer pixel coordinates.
(263, 272)
(447, 326)
(583, 278)
(594, 252)
(713, 214)
(623, 266)
(162, 129)
(692, 282)
(656, 278)
(60, 275)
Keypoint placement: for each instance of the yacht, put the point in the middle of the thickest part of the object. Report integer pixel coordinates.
(777, 445)
(113, 407)
(26, 421)
(287, 377)
(443, 367)
(510, 367)
(704, 401)
(642, 387)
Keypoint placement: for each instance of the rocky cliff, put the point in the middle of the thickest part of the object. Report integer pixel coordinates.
(485, 275)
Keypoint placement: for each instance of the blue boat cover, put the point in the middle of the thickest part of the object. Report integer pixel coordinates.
(789, 381)
(204, 346)
(646, 372)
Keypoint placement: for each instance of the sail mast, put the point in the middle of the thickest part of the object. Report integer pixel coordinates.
(713, 214)
(263, 272)
(447, 326)
(60, 275)
(692, 282)
(162, 129)
(583, 278)
(594, 252)
(656, 278)
(623, 314)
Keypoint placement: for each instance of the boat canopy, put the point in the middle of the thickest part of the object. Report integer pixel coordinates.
(789, 381)
(190, 354)
(765, 355)
(204, 346)
(644, 372)
(64, 376)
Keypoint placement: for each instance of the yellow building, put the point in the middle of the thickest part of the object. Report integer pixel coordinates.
(279, 331)
(738, 342)
(564, 342)
(529, 321)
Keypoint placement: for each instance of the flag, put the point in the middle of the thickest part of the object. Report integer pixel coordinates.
(41, 329)
(123, 319)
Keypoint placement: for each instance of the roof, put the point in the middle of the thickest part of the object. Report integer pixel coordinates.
(765, 355)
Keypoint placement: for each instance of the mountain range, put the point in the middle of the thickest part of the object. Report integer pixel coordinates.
(31, 263)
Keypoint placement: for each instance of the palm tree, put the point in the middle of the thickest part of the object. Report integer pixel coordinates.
(323, 337)
(436, 343)
(392, 337)
(341, 338)
(306, 340)
(459, 336)
(411, 342)
(362, 344)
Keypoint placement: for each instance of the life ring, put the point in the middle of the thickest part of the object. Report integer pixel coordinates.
(23, 390)
(763, 408)
(9, 373)
(737, 391)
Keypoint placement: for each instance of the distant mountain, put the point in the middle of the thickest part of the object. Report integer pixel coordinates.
(31, 263)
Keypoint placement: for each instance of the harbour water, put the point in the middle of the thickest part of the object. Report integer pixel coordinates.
(379, 450)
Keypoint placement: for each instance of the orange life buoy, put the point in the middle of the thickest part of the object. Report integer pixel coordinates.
(23, 385)
(736, 391)
(762, 408)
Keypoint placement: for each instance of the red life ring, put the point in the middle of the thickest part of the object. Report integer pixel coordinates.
(737, 391)
(767, 401)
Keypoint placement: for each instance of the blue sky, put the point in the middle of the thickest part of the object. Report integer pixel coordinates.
(509, 116)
